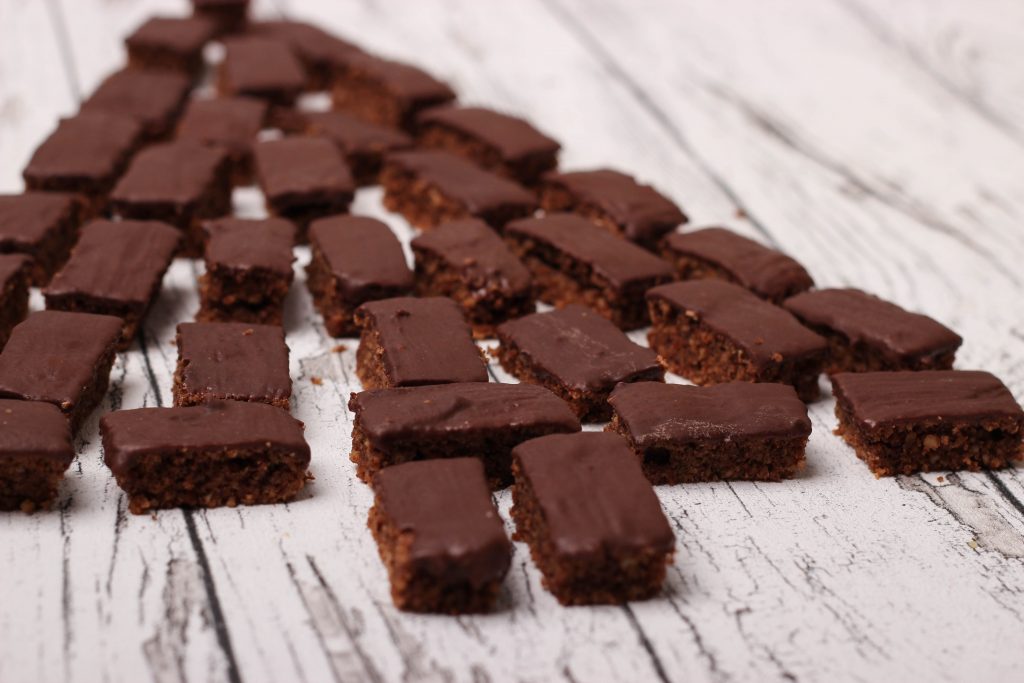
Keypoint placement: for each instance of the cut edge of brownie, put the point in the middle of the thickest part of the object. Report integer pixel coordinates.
(338, 314)
(555, 198)
(370, 367)
(14, 300)
(253, 295)
(29, 483)
(844, 356)
(690, 267)
(526, 169)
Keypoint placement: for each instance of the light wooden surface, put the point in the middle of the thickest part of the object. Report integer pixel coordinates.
(880, 143)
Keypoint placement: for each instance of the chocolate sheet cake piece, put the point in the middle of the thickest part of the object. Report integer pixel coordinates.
(231, 123)
(355, 259)
(363, 144)
(14, 270)
(473, 419)
(261, 67)
(865, 333)
(906, 422)
(230, 16)
(576, 262)
(615, 201)
(35, 450)
(42, 226)
(115, 269)
(61, 358)
(577, 354)
(170, 43)
(408, 341)
(682, 434)
(507, 145)
(430, 187)
(593, 523)
(468, 262)
(154, 98)
(386, 92)
(320, 52)
(712, 331)
(216, 454)
(725, 255)
(440, 536)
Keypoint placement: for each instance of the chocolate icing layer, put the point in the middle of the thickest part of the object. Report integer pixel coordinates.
(37, 429)
(182, 35)
(353, 135)
(244, 244)
(152, 97)
(362, 253)
(26, 219)
(314, 46)
(401, 80)
(10, 266)
(478, 253)
(261, 67)
(513, 137)
(173, 173)
(295, 170)
(229, 122)
(85, 153)
(234, 361)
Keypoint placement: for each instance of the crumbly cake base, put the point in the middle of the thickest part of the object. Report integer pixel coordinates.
(29, 483)
(162, 59)
(554, 198)
(370, 361)
(184, 396)
(13, 304)
(846, 357)
(242, 295)
(526, 170)
(368, 100)
(338, 314)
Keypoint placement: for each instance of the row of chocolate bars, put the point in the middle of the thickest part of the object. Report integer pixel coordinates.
(502, 228)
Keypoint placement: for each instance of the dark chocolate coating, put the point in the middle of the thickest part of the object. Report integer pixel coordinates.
(353, 135)
(234, 360)
(261, 67)
(403, 81)
(152, 97)
(314, 46)
(243, 244)
(474, 250)
(363, 255)
(175, 174)
(593, 495)
(180, 35)
(513, 138)
(229, 122)
(26, 219)
(10, 266)
(36, 429)
(445, 505)
(85, 153)
(293, 171)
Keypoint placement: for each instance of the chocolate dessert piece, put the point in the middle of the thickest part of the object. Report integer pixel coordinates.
(60, 358)
(386, 92)
(85, 155)
(355, 259)
(472, 419)
(363, 144)
(724, 255)
(505, 144)
(261, 67)
(865, 333)
(303, 179)
(228, 15)
(235, 361)
(248, 270)
(712, 331)
(429, 187)
(738, 430)
(14, 269)
(216, 454)
(179, 183)
(35, 450)
(115, 269)
(593, 523)
(42, 226)
(467, 261)
(170, 43)
(439, 536)
(407, 342)
(320, 52)
(576, 262)
(615, 201)
(231, 123)
(577, 354)
(153, 98)
(905, 422)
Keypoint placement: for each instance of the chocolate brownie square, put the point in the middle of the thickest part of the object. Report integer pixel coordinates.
(468, 262)
(865, 333)
(42, 226)
(472, 419)
(229, 16)
(386, 92)
(593, 523)
(905, 422)
(355, 259)
(228, 122)
(615, 201)
(439, 536)
(221, 453)
(320, 52)
(261, 67)
(170, 43)
(35, 450)
(430, 187)
(504, 144)
(153, 98)
(115, 269)
(14, 269)
(231, 361)
(722, 254)
(576, 262)
(61, 358)
(682, 434)
(363, 144)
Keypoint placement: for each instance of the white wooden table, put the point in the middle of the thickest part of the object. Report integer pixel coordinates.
(881, 143)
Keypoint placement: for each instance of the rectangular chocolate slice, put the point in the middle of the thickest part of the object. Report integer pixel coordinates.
(468, 262)
(321, 53)
(439, 536)
(170, 43)
(231, 123)
(42, 226)
(615, 201)
(682, 434)
(303, 179)
(355, 259)
(230, 16)
(386, 92)
(216, 454)
(430, 187)
(407, 342)
(14, 270)
(363, 144)
(235, 361)
(35, 450)
(61, 358)
(722, 254)
(153, 98)
(472, 419)
(905, 422)
(115, 269)
(506, 145)
(576, 262)
(712, 331)
(261, 67)
(865, 333)
(593, 523)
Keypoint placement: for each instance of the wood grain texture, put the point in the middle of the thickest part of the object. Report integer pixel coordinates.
(821, 128)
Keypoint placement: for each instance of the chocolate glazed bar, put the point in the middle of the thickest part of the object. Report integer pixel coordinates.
(440, 536)
(41, 225)
(14, 269)
(593, 523)
(320, 52)
(363, 144)
(153, 98)
(35, 450)
(231, 123)
(261, 67)
(170, 43)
